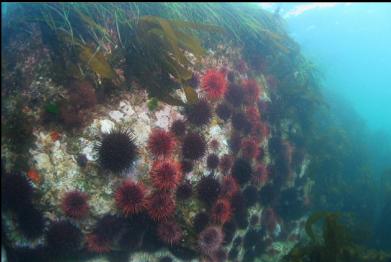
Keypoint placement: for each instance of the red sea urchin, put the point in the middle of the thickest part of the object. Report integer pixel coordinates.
(165, 174)
(251, 91)
(210, 239)
(160, 205)
(261, 175)
(214, 83)
(161, 143)
(130, 197)
(214, 144)
(193, 147)
(116, 151)
(249, 148)
(253, 114)
(229, 186)
(97, 244)
(225, 163)
(105, 231)
(74, 204)
(221, 211)
(169, 232)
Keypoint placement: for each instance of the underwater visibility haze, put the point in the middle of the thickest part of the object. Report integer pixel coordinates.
(196, 132)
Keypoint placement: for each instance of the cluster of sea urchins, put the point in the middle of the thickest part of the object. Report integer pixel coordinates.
(224, 193)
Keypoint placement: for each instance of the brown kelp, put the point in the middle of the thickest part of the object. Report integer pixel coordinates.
(335, 244)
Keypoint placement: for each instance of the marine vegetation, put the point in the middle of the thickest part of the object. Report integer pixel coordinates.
(335, 244)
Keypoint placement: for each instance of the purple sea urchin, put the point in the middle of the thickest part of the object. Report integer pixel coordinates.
(229, 229)
(223, 111)
(242, 171)
(169, 232)
(199, 114)
(31, 222)
(212, 161)
(239, 121)
(116, 151)
(186, 166)
(234, 95)
(63, 237)
(184, 191)
(210, 239)
(178, 127)
(16, 191)
(208, 189)
(193, 147)
(200, 221)
(250, 194)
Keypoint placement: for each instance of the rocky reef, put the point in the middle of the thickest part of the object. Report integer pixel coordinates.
(134, 134)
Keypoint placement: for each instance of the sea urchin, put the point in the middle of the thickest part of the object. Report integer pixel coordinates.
(208, 189)
(161, 143)
(117, 151)
(165, 174)
(74, 204)
(178, 127)
(169, 232)
(199, 114)
(242, 171)
(212, 161)
(210, 239)
(214, 83)
(160, 205)
(193, 147)
(63, 237)
(129, 197)
(221, 211)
